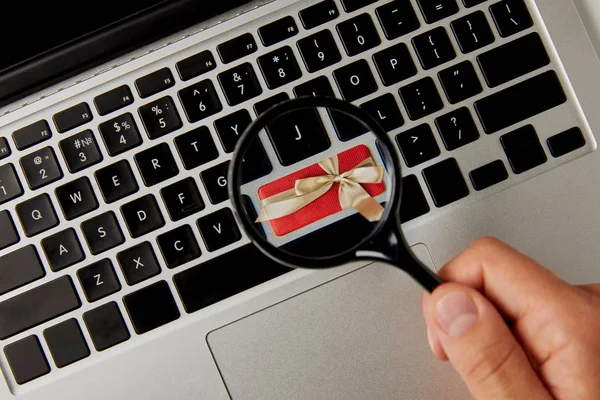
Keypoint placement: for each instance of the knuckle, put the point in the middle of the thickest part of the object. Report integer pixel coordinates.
(486, 243)
(490, 363)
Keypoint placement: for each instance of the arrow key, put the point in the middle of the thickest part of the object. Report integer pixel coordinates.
(418, 145)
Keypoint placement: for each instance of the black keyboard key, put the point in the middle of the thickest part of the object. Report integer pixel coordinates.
(413, 203)
(355, 80)
(200, 101)
(196, 147)
(106, 326)
(358, 34)
(8, 233)
(263, 105)
(278, 31)
(319, 51)
(346, 127)
(563, 143)
(397, 19)
(237, 48)
(138, 263)
(385, 111)
(196, 65)
(472, 3)
(142, 216)
(66, 343)
(37, 306)
(488, 175)
(319, 86)
(19, 268)
(41, 168)
(394, 64)
(457, 128)
(230, 127)
(219, 229)
(421, 98)
(353, 5)
(436, 10)
(102, 233)
(10, 187)
(32, 135)
(445, 182)
(256, 163)
(279, 67)
(434, 48)
(26, 359)
(225, 276)
(73, 117)
(116, 181)
(160, 117)
(63, 250)
(299, 135)
(114, 100)
(418, 145)
(519, 102)
(120, 134)
(513, 60)
(80, 151)
(460, 82)
(37, 215)
(472, 32)
(182, 199)
(179, 246)
(215, 182)
(98, 280)
(155, 82)
(319, 14)
(4, 148)
(76, 198)
(523, 149)
(156, 164)
(511, 16)
(151, 307)
(240, 84)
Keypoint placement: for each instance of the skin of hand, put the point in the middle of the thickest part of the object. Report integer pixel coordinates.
(550, 351)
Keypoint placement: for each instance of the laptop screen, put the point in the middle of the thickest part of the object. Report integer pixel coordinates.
(43, 42)
(36, 29)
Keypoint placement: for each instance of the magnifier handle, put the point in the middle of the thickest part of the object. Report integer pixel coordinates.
(426, 277)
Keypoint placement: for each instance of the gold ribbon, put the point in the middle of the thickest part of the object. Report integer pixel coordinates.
(351, 193)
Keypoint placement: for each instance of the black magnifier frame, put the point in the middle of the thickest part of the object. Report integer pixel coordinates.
(385, 243)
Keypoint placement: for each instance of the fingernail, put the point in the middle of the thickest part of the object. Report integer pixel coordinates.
(430, 339)
(456, 313)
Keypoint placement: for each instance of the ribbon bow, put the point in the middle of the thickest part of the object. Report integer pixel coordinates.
(351, 193)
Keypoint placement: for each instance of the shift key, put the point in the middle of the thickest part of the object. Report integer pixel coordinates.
(519, 102)
(37, 306)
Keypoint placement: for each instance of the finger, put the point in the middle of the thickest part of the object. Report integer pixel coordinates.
(434, 343)
(480, 346)
(593, 288)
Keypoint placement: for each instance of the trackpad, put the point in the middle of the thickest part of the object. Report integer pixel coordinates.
(361, 336)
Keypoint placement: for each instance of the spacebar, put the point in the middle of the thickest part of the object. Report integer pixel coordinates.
(519, 102)
(37, 306)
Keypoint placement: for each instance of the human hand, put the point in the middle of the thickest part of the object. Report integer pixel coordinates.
(551, 350)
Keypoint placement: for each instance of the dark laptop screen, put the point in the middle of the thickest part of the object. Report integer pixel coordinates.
(43, 42)
(33, 28)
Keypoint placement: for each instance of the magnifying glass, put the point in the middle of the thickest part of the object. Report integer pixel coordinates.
(316, 183)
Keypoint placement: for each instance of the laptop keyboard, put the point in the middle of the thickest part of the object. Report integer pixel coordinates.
(128, 186)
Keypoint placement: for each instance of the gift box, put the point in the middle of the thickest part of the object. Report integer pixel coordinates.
(329, 202)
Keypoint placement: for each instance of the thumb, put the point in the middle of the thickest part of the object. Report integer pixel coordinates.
(480, 345)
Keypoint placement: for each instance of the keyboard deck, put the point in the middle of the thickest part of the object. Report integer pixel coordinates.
(113, 204)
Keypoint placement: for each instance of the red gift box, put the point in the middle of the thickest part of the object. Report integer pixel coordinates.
(325, 205)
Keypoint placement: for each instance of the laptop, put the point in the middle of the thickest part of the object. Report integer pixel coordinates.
(123, 272)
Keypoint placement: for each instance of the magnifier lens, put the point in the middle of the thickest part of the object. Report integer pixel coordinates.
(315, 184)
